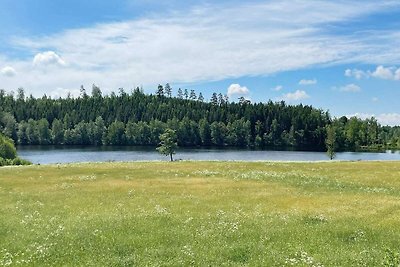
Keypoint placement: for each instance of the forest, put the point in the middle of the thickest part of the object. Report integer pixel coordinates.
(136, 118)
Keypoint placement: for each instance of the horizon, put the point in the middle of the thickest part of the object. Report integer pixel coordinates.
(341, 57)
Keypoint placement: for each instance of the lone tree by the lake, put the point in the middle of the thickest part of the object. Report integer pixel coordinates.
(168, 143)
(330, 141)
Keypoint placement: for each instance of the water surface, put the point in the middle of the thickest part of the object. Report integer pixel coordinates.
(51, 154)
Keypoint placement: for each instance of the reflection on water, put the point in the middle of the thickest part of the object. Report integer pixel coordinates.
(51, 154)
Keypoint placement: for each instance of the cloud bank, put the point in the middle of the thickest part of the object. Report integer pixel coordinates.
(207, 43)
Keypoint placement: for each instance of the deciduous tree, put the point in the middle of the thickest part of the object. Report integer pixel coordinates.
(168, 143)
(330, 141)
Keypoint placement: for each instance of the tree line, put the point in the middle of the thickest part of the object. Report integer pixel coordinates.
(137, 118)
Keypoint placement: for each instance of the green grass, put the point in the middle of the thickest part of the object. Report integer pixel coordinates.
(201, 213)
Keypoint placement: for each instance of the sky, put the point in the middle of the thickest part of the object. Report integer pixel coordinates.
(342, 56)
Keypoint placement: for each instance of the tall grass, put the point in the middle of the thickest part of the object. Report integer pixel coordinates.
(201, 213)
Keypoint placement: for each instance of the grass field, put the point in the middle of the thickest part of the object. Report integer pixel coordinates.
(201, 213)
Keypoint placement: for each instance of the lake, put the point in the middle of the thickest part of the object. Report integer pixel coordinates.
(51, 154)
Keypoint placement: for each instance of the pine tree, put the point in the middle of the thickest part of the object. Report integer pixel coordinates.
(83, 92)
(192, 95)
(96, 92)
(160, 91)
(221, 100)
(200, 98)
(214, 99)
(180, 94)
(168, 90)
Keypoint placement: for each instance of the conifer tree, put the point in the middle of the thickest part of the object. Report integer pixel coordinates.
(160, 91)
(200, 98)
(168, 90)
(180, 93)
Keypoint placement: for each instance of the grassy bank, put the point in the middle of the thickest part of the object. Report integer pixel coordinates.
(200, 213)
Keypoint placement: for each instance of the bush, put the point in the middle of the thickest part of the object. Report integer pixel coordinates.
(7, 148)
(8, 153)
(19, 161)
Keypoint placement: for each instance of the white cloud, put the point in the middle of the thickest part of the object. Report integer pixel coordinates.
(8, 71)
(207, 43)
(392, 119)
(383, 73)
(358, 74)
(277, 88)
(236, 89)
(48, 58)
(350, 88)
(375, 99)
(295, 96)
(307, 82)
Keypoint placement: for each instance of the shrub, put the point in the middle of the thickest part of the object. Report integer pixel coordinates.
(8, 153)
(7, 148)
(19, 161)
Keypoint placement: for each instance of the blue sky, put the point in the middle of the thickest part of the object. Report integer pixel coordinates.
(341, 56)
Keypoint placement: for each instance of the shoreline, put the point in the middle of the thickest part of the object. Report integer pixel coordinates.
(201, 161)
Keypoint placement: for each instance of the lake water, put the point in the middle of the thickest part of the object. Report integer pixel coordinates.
(50, 154)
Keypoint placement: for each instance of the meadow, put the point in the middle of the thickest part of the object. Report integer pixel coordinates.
(201, 214)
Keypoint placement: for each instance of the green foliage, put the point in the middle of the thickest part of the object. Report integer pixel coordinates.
(57, 132)
(44, 132)
(138, 119)
(218, 133)
(168, 143)
(160, 91)
(19, 161)
(96, 92)
(16, 161)
(9, 125)
(116, 134)
(205, 132)
(8, 153)
(7, 148)
(168, 90)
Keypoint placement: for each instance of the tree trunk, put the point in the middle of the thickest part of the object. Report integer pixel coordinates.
(171, 156)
